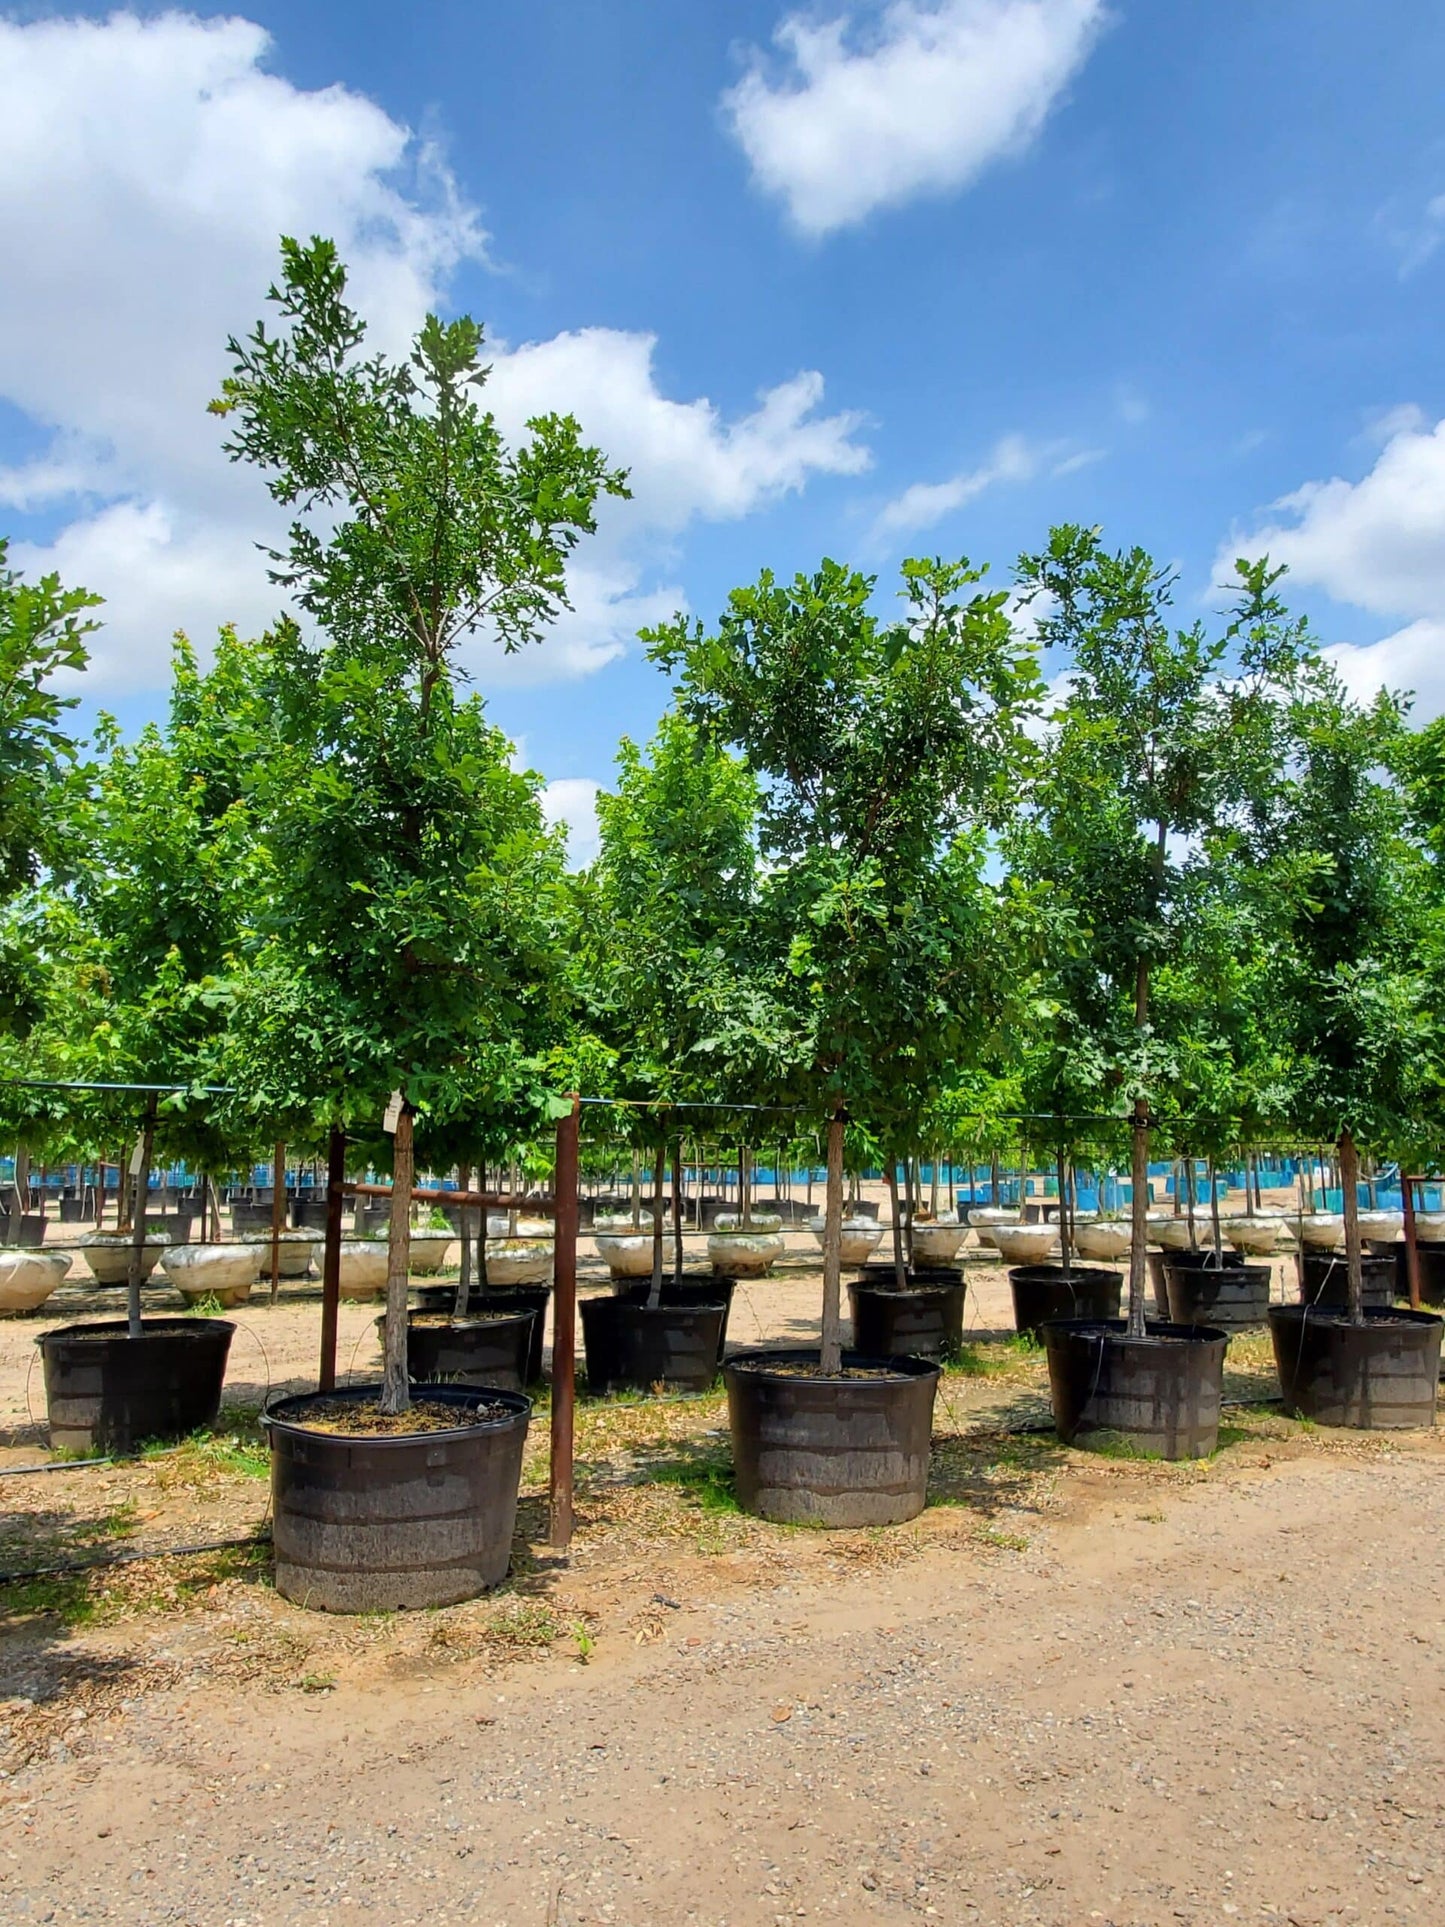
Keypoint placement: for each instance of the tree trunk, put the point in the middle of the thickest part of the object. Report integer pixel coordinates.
(679, 1187)
(659, 1227)
(636, 1189)
(900, 1270)
(993, 1177)
(395, 1390)
(745, 1187)
(464, 1225)
(1349, 1187)
(22, 1178)
(1189, 1199)
(831, 1354)
(278, 1215)
(1214, 1215)
(1066, 1241)
(1138, 1216)
(910, 1197)
(138, 1226)
(1412, 1241)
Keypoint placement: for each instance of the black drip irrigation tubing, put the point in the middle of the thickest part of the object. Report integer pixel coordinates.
(132, 1556)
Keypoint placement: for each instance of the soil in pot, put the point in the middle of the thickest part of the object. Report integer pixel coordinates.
(633, 1346)
(366, 1521)
(1382, 1375)
(1041, 1292)
(1326, 1281)
(487, 1347)
(848, 1451)
(924, 1320)
(108, 1392)
(1158, 1394)
(1231, 1296)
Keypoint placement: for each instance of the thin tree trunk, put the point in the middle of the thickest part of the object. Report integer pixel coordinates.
(900, 1270)
(679, 1187)
(1214, 1215)
(1412, 1240)
(910, 1198)
(1349, 1187)
(1066, 1240)
(1189, 1198)
(745, 1187)
(993, 1176)
(1139, 1165)
(636, 1189)
(464, 1225)
(659, 1228)
(831, 1353)
(138, 1226)
(278, 1215)
(395, 1390)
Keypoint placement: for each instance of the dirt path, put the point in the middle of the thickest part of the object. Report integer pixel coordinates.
(1119, 1693)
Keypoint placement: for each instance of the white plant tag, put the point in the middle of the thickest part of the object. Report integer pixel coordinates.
(136, 1155)
(393, 1113)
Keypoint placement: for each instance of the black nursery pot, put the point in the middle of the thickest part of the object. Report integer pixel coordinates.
(1042, 1292)
(924, 1320)
(1231, 1296)
(696, 1289)
(831, 1451)
(414, 1519)
(634, 1347)
(1326, 1281)
(1382, 1375)
(109, 1392)
(532, 1298)
(1161, 1393)
(475, 1350)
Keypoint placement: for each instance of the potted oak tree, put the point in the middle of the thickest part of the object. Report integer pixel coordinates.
(1163, 743)
(1356, 978)
(408, 973)
(885, 750)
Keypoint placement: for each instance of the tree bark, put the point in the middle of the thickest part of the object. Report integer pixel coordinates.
(278, 1215)
(1066, 1237)
(900, 1269)
(1189, 1201)
(464, 1225)
(1349, 1186)
(678, 1187)
(1138, 1216)
(831, 1354)
(395, 1390)
(1214, 1215)
(138, 1225)
(659, 1227)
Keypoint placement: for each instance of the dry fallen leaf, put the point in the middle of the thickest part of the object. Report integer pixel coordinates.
(781, 1713)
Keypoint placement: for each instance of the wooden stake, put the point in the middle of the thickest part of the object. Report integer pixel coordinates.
(331, 1260)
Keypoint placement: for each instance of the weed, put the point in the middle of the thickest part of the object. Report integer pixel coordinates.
(1005, 1541)
(316, 1683)
(584, 1642)
(707, 1482)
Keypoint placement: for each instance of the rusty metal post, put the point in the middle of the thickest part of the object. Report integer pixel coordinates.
(564, 1326)
(331, 1260)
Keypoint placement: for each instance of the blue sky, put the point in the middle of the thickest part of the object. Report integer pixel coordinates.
(863, 281)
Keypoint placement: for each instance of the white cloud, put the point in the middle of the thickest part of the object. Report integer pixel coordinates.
(918, 102)
(1379, 544)
(149, 167)
(1013, 459)
(573, 800)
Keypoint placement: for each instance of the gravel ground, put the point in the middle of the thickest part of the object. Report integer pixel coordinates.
(1076, 1690)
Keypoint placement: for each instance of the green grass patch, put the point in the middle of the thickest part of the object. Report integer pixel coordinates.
(707, 1482)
